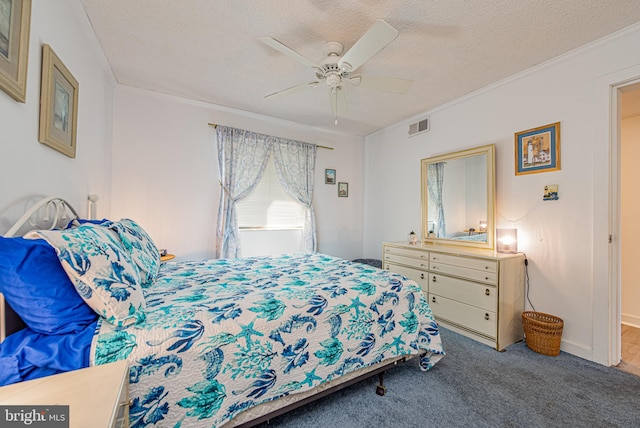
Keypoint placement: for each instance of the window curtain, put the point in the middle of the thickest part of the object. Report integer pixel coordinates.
(295, 166)
(436, 180)
(242, 157)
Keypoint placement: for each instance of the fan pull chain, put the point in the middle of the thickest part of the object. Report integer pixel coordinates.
(335, 91)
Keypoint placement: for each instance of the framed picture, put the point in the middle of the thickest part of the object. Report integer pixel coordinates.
(343, 190)
(538, 149)
(550, 192)
(329, 176)
(15, 18)
(58, 104)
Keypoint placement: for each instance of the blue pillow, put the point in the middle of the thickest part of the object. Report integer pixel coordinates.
(36, 286)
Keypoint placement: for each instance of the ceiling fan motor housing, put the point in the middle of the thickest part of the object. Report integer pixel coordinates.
(329, 68)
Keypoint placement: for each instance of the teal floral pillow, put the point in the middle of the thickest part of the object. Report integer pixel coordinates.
(101, 271)
(140, 246)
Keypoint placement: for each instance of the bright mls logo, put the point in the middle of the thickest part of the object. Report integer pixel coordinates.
(34, 416)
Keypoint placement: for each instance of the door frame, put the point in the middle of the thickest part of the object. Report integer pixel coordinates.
(607, 284)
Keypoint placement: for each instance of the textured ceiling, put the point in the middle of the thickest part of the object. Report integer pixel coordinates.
(208, 50)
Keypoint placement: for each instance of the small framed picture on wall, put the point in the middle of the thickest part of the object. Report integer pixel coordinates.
(343, 190)
(538, 149)
(329, 176)
(58, 104)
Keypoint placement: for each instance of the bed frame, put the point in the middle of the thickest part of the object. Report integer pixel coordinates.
(48, 213)
(54, 212)
(269, 410)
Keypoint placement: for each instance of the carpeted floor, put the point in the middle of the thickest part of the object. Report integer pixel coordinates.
(475, 386)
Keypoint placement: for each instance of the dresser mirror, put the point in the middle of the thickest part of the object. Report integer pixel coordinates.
(458, 198)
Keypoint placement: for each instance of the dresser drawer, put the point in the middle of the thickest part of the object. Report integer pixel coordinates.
(409, 261)
(471, 293)
(465, 262)
(464, 272)
(421, 277)
(465, 316)
(407, 252)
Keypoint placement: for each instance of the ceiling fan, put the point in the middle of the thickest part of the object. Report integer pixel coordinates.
(337, 68)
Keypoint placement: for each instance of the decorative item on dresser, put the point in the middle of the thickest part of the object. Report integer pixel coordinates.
(475, 292)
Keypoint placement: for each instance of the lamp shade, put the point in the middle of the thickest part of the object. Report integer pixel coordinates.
(507, 240)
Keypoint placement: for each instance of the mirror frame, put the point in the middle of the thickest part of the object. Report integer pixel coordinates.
(489, 150)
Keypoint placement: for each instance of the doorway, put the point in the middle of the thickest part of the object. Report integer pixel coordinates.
(628, 118)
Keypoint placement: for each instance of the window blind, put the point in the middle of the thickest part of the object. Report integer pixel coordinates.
(269, 206)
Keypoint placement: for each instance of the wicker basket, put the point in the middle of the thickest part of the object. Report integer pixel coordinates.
(543, 332)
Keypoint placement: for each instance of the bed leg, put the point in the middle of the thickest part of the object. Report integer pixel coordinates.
(381, 389)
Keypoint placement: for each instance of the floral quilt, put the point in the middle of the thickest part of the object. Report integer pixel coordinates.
(224, 335)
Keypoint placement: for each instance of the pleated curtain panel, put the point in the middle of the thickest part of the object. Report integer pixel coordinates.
(436, 181)
(242, 158)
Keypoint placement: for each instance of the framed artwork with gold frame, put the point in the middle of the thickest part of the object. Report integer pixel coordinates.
(15, 19)
(58, 104)
(538, 149)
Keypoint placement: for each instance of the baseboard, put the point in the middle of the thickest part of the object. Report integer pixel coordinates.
(577, 350)
(631, 320)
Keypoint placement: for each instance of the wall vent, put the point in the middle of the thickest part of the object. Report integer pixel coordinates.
(419, 127)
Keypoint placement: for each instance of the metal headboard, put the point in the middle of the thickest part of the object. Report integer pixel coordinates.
(48, 213)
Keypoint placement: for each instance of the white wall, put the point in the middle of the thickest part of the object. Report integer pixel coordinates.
(165, 172)
(630, 217)
(559, 237)
(30, 169)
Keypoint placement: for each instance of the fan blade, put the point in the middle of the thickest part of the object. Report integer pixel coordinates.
(377, 37)
(293, 90)
(270, 41)
(386, 84)
(338, 101)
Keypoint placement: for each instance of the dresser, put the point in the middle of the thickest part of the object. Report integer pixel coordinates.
(475, 292)
(97, 396)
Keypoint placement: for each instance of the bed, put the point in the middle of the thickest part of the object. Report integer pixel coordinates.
(475, 237)
(210, 342)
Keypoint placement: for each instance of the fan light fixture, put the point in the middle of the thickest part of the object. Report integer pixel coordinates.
(336, 67)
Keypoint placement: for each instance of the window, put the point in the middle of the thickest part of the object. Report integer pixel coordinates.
(269, 206)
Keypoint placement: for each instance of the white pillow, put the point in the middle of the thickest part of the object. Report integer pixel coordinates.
(143, 250)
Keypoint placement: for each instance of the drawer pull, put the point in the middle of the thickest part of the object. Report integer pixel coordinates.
(421, 276)
(433, 300)
(486, 278)
(434, 267)
(422, 264)
(486, 316)
(487, 292)
(486, 267)
(433, 279)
